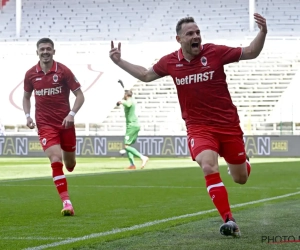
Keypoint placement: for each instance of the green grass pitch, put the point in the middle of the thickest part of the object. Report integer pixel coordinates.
(165, 206)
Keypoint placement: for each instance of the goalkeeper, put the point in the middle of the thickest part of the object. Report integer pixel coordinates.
(132, 130)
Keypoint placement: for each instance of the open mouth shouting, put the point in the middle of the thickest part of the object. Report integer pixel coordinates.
(195, 45)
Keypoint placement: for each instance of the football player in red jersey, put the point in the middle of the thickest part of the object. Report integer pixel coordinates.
(51, 83)
(212, 121)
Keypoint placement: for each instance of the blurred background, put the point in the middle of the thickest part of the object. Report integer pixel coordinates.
(265, 90)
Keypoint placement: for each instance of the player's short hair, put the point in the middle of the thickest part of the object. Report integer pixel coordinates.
(187, 19)
(45, 40)
(128, 93)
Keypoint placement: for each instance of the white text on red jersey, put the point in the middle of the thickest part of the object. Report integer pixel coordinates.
(201, 77)
(49, 91)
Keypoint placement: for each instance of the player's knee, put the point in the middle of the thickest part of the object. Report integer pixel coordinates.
(208, 162)
(55, 158)
(209, 169)
(54, 153)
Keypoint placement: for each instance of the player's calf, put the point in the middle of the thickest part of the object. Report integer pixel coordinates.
(240, 179)
(239, 173)
(70, 169)
(61, 184)
(70, 165)
(69, 158)
(248, 165)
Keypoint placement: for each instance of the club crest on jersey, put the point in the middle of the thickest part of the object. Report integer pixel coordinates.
(55, 78)
(192, 143)
(203, 60)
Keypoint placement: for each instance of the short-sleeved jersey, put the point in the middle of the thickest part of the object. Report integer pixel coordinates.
(129, 110)
(201, 85)
(51, 91)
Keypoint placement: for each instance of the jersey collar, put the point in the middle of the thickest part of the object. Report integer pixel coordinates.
(53, 68)
(181, 56)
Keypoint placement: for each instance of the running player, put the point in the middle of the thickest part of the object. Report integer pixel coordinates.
(211, 118)
(51, 83)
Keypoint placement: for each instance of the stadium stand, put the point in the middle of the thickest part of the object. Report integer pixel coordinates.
(256, 86)
(137, 20)
(283, 16)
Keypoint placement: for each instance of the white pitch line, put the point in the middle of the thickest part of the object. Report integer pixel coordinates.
(151, 223)
(33, 238)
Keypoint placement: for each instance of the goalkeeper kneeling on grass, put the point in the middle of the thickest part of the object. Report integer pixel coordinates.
(132, 130)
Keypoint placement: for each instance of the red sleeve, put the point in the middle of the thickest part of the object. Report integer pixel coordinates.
(160, 68)
(228, 54)
(71, 80)
(28, 87)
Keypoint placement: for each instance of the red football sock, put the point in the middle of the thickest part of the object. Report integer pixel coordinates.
(60, 180)
(218, 194)
(248, 167)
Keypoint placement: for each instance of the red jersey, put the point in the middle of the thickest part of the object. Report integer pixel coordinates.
(52, 91)
(201, 85)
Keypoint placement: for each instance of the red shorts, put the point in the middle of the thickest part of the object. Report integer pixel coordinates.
(230, 146)
(50, 136)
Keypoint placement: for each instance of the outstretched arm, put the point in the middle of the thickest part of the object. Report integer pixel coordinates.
(256, 46)
(139, 72)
